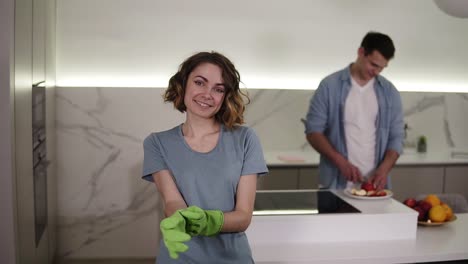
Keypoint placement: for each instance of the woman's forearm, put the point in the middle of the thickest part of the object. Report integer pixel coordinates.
(236, 221)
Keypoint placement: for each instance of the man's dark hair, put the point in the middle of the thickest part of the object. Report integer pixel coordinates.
(380, 42)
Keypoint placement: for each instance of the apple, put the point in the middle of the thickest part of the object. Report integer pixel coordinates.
(424, 205)
(410, 202)
(368, 186)
(422, 214)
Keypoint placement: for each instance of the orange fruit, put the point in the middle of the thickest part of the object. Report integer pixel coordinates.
(448, 211)
(432, 199)
(437, 214)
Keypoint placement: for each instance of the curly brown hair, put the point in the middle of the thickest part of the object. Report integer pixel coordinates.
(231, 113)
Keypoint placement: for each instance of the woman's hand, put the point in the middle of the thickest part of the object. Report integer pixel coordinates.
(174, 234)
(202, 222)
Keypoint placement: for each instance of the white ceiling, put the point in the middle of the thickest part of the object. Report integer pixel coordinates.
(274, 44)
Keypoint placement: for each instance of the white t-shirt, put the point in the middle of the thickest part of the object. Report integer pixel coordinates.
(360, 115)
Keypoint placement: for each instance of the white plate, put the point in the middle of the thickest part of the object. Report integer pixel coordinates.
(348, 193)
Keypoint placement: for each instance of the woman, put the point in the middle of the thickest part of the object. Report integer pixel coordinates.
(209, 163)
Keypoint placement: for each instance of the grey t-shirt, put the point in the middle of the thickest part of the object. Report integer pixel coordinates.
(208, 180)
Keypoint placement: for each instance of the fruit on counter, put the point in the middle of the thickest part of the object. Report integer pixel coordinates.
(432, 199)
(424, 205)
(422, 215)
(437, 214)
(448, 211)
(430, 209)
(368, 186)
(410, 202)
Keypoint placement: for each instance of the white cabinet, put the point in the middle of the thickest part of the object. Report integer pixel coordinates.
(308, 178)
(289, 178)
(406, 181)
(38, 41)
(413, 180)
(29, 62)
(456, 180)
(279, 179)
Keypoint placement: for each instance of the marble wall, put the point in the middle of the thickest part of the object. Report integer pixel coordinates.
(106, 210)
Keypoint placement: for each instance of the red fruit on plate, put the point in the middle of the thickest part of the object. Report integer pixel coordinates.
(410, 202)
(424, 205)
(422, 215)
(381, 193)
(368, 186)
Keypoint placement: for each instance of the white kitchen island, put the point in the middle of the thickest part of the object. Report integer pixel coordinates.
(389, 218)
(447, 242)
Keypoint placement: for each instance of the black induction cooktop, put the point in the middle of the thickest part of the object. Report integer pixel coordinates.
(293, 202)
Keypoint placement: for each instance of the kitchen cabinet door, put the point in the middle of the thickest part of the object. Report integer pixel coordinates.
(279, 179)
(39, 41)
(308, 178)
(456, 180)
(31, 247)
(409, 181)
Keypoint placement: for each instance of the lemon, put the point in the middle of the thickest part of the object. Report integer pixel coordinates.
(437, 214)
(448, 211)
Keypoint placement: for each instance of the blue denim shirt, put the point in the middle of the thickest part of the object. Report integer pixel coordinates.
(326, 115)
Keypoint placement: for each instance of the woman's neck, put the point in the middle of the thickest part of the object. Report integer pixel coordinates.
(200, 128)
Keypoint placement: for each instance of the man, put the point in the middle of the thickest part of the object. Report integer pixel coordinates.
(355, 119)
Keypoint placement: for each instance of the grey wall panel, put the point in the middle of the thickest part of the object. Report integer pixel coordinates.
(7, 170)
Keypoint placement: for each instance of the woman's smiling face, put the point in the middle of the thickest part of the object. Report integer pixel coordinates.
(205, 91)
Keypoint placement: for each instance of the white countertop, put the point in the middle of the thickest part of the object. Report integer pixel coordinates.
(310, 158)
(447, 242)
(389, 218)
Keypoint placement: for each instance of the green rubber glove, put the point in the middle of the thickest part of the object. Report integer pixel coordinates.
(202, 222)
(173, 231)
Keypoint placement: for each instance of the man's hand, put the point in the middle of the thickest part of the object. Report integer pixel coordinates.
(321, 144)
(379, 179)
(350, 171)
(173, 231)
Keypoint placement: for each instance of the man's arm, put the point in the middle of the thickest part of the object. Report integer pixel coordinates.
(321, 144)
(396, 127)
(379, 179)
(395, 142)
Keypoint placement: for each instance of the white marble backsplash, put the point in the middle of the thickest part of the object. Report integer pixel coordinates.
(106, 210)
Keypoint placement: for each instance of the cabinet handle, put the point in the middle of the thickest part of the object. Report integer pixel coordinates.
(39, 84)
